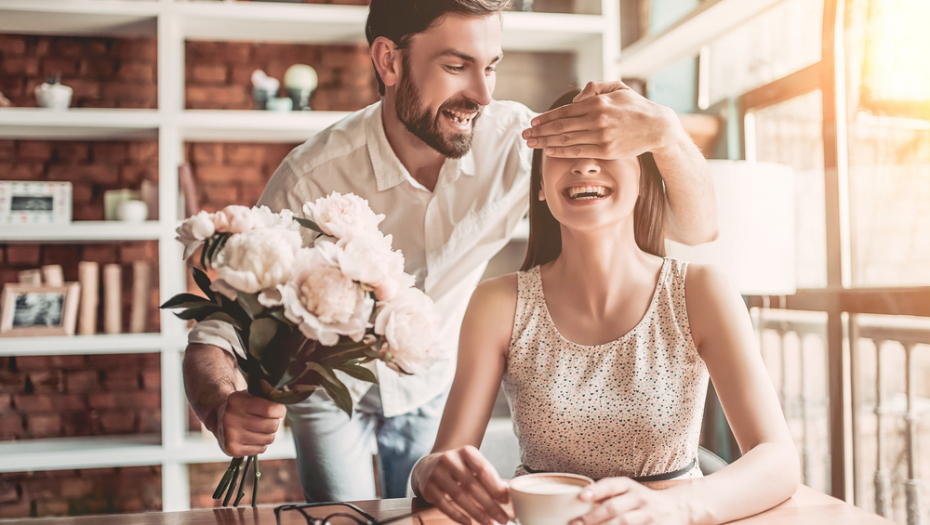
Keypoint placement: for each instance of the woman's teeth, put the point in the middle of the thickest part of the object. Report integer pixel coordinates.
(587, 192)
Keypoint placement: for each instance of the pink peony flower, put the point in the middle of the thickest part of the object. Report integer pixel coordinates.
(255, 260)
(410, 326)
(235, 219)
(343, 216)
(370, 261)
(193, 231)
(322, 301)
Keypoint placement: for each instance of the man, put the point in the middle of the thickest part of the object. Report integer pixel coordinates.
(449, 169)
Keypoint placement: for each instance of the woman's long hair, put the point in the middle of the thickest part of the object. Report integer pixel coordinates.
(545, 241)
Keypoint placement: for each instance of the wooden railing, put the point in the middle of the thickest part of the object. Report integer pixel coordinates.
(844, 309)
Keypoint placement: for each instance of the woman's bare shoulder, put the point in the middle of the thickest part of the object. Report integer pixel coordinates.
(492, 309)
(711, 299)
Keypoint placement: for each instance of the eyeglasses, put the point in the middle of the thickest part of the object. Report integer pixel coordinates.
(359, 517)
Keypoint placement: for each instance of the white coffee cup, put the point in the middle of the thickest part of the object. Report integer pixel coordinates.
(548, 498)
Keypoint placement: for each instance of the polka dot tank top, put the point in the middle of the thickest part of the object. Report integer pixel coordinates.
(631, 407)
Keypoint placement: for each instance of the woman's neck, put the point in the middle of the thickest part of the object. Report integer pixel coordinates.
(598, 270)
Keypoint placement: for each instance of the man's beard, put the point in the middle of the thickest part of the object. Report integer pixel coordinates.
(424, 126)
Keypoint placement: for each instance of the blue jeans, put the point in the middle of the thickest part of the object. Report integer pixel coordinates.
(334, 452)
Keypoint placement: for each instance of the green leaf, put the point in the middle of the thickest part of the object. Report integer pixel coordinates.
(203, 252)
(358, 372)
(178, 301)
(307, 223)
(279, 315)
(343, 356)
(198, 313)
(261, 331)
(334, 387)
(203, 282)
(225, 317)
(249, 303)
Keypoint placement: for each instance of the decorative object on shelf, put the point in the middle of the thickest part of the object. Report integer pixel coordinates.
(53, 94)
(132, 210)
(141, 288)
(33, 276)
(148, 193)
(300, 80)
(112, 299)
(24, 202)
(523, 5)
(755, 214)
(280, 104)
(264, 88)
(38, 310)
(189, 202)
(5, 102)
(112, 200)
(87, 275)
(306, 297)
(53, 275)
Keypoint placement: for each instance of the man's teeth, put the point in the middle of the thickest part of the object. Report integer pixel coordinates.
(458, 117)
(587, 192)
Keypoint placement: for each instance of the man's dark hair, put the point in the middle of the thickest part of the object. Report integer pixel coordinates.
(399, 20)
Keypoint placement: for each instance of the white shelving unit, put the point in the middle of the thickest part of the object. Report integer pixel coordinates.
(595, 39)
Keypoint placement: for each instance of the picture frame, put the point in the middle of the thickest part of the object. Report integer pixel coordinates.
(25, 202)
(29, 310)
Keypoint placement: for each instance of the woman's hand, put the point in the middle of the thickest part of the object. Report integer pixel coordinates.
(622, 501)
(462, 480)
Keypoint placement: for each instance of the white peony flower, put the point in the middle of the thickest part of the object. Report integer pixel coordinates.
(321, 300)
(255, 260)
(193, 231)
(410, 326)
(370, 261)
(343, 216)
(235, 219)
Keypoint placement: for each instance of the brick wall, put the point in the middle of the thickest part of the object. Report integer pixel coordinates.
(103, 72)
(43, 397)
(219, 73)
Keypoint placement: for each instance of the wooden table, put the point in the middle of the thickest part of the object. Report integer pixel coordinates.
(807, 506)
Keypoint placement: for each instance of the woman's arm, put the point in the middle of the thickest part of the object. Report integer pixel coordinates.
(455, 470)
(769, 470)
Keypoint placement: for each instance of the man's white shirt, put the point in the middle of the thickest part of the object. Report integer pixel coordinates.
(447, 236)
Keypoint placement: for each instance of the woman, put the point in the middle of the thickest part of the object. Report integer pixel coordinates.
(604, 348)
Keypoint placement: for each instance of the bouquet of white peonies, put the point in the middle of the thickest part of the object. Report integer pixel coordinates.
(307, 296)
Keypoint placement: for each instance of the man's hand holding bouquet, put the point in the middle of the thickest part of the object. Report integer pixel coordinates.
(307, 296)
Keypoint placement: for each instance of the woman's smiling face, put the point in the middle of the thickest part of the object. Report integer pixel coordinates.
(588, 194)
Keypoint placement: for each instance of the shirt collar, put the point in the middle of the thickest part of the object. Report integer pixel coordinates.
(389, 171)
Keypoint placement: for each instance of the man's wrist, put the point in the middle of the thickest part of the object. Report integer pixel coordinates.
(674, 139)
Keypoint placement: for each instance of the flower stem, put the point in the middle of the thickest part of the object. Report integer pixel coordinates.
(224, 481)
(232, 484)
(258, 476)
(245, 470)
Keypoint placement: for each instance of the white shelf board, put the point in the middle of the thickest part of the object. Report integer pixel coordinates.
(82, 231)
(81, 452)
(72, 17)
(78, 123)
(257, 126)
(87, 344)
(549, 31)
(121, 451)
(271, 22)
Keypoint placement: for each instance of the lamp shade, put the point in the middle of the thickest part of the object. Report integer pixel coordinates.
(755, 212)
